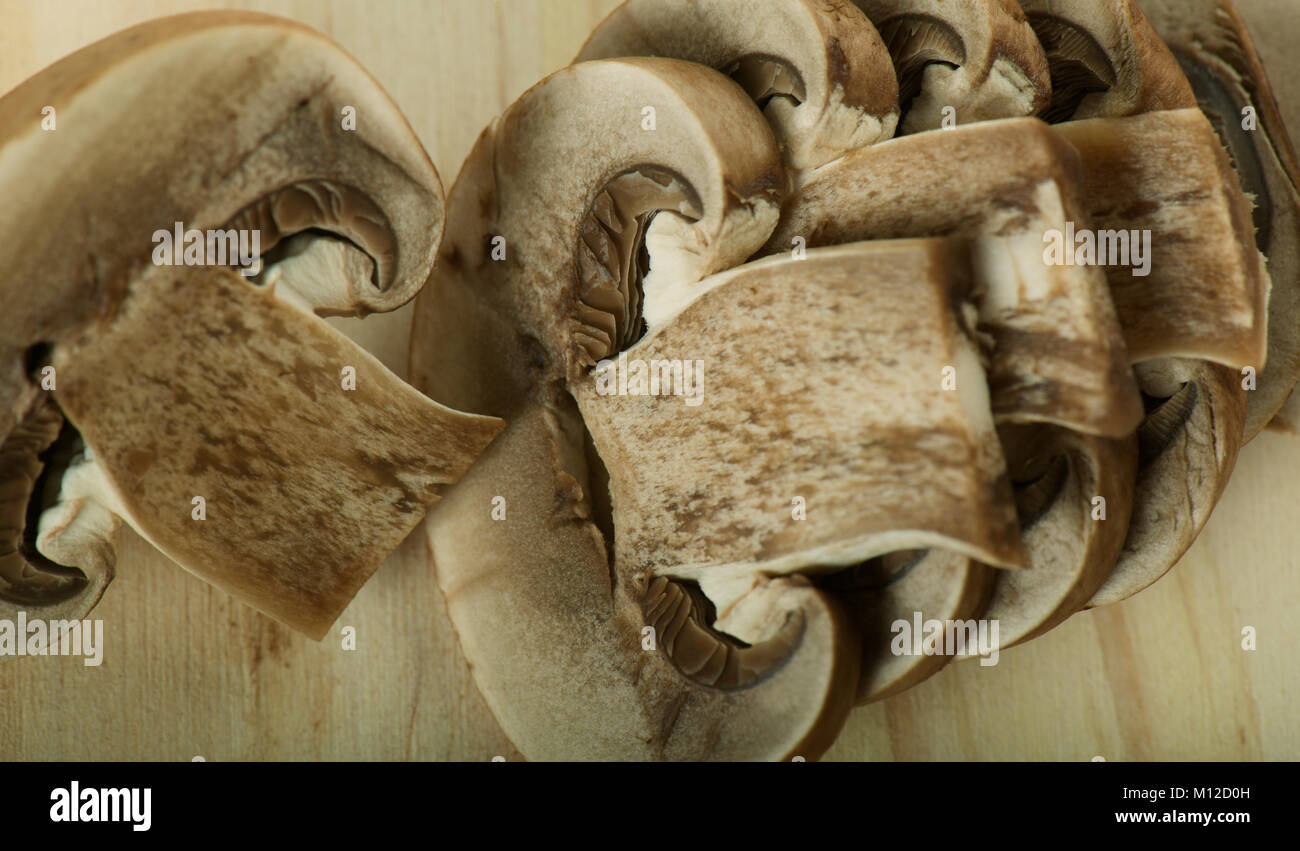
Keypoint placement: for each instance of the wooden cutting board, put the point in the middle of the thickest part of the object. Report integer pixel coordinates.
(189, 672)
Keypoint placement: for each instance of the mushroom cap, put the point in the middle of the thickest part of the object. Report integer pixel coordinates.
(1106, 59)
(818, 69)
(979, 57)
(1058, 355)
(269, 93)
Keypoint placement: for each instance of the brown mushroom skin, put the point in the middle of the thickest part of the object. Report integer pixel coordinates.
(818, 67)
(1192, 439)
(977, 58)
(215, 120)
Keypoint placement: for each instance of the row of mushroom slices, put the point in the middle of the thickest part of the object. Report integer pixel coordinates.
(908, 406)
(759, 329)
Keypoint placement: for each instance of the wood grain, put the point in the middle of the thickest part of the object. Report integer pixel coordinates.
(188, 671)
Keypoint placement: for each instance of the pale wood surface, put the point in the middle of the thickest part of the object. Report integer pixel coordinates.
(188, 671)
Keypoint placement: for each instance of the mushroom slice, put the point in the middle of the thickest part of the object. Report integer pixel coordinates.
(818, 70)
(1191, 326)
(862, 438)
(1216, 52)
(871, 458)
(1074, 497)
(228, 405)
(46, 524)
(1059, 364)
(1106, 60)
(1188, 448)
(907, 587)
(1056, 353)
(978, 57)
(1206, 292)
(580, 669)
(233, 126)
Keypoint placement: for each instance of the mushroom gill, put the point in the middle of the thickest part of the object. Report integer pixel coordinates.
(915, 42)
(1079, 66)
(680, 615)
(612, 257)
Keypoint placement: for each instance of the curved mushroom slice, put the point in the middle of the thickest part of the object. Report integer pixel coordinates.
(578, 668)
(1199, 316)
(556, 285)
(1150, 81)
(866, 450)
(818, 70)
(229, 126)
(1058, 356)
(978, 57)
(1106, 60)
(229, 405)
(697, 194)
(878, 456)
(891, 599)
(1204, 293)
(1074, 497)
(1216, 52)
(1187, 449)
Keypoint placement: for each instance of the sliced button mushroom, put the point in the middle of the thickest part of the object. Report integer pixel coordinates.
(1059, 367)
(849, 404)
(1196, 407)
(306, 487)
(1188, 449)
(190, 383)
(978, 57)
(1056, 352)
(818, 69)
(1206, 292)
(902, 588)
(1074, 498)
(591, 210)
(1216, 52)
(696, 194)
(1106, 60)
